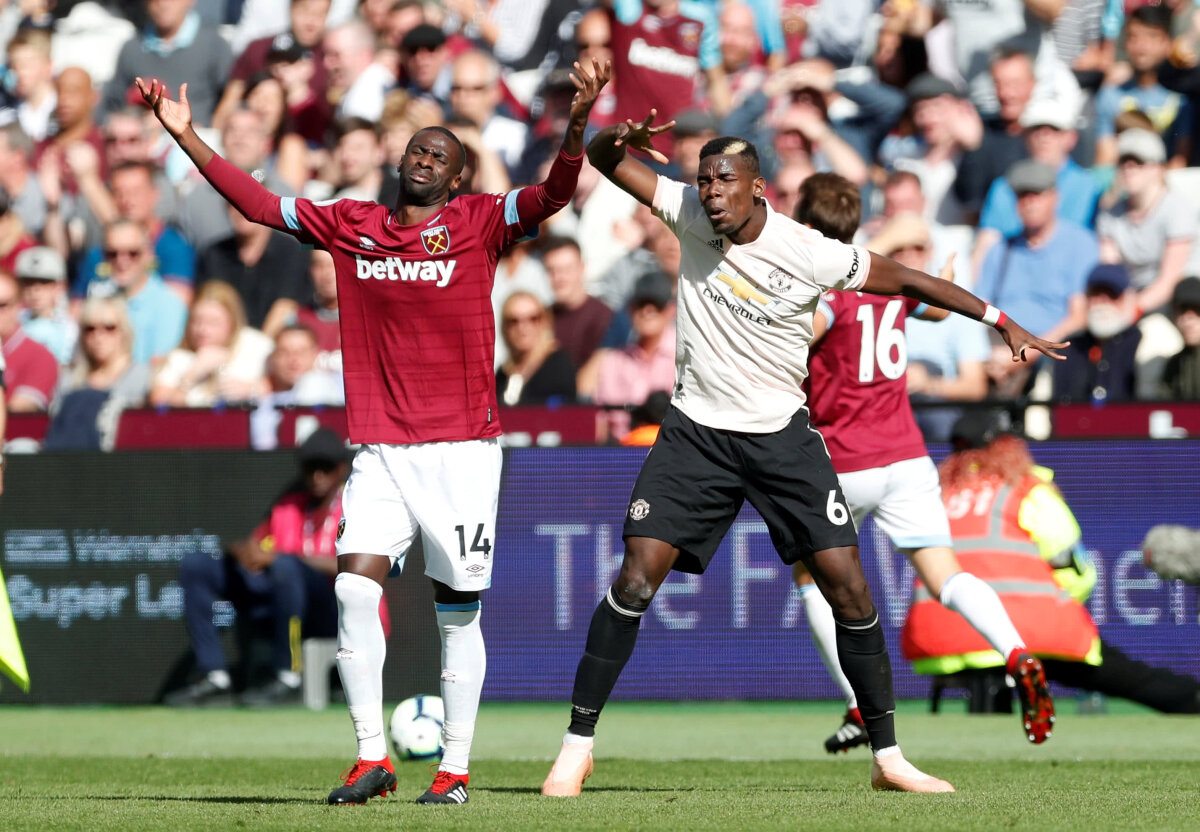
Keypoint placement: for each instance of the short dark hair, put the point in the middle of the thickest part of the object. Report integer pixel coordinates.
(733, 146)
(1156, 17)
(352, 124)
(898, 177)
(148, 168)
(830, 204)
(554, 242)
(303, 329)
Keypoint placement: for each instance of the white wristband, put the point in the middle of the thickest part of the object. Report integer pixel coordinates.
(991, 315)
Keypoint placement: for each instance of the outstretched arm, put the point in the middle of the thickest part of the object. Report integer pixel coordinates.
(546, 199)
(606, 152)
(887, 277)
(241, 190)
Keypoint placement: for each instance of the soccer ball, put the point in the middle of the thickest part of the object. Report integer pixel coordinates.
(416, 728)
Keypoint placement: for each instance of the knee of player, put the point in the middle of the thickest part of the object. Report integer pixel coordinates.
(634, 590)
(851, 599)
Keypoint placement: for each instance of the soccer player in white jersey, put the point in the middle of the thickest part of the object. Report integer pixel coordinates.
(858, 399)
(749, 282)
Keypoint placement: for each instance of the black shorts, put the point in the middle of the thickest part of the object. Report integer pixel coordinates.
(695, 480)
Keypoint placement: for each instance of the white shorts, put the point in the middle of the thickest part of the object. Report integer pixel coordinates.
(446, 491)
(905, 499)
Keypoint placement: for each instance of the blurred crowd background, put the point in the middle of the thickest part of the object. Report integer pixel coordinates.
(1046, 145)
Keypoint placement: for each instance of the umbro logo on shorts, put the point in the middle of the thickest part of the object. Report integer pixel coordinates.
(639, 509)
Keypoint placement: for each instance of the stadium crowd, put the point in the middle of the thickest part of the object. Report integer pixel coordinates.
(1048, 145)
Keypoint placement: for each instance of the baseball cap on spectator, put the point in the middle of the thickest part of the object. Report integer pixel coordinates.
(1187, 294)
(1044, 112)
(978, 429)
(1110, 277)
(1143, 145)
(1030, 177)
(654, 288)
(322, 447)
(691, 123)
(424, 36)
(285, 49)
(40, 263)
(927, 85)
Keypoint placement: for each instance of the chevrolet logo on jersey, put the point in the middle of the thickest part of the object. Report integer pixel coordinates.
(743, 289)
(436, 240)
(393, 268)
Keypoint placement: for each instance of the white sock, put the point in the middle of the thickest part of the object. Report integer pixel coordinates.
(824, 635)
(884, 753)
(220, 678)
(575, 739)
(464, 663)
(977, 602)
(362, 648)
(290, 678)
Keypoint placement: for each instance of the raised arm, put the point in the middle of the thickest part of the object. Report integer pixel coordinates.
(239, 188)
(887, 277)
(606, 152)
(544, 200)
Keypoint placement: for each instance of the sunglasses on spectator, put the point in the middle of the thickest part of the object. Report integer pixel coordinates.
(4, 304)
(122, 139)
(526, 319)
(470, 88)
(597, 45)
(88, 329)
(116, 253)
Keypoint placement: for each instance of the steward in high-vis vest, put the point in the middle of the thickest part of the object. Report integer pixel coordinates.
(1011, 528)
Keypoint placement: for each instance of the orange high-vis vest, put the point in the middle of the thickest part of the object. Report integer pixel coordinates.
(991, 545)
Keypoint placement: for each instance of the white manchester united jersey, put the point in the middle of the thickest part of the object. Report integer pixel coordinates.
(746, 312)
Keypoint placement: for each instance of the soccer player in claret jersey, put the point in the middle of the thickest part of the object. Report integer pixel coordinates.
(749, 282)
(858, 399)
(418, 335)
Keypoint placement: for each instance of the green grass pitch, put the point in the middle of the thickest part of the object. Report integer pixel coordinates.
(659, 767)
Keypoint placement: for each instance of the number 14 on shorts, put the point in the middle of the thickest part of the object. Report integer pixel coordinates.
(479, 544)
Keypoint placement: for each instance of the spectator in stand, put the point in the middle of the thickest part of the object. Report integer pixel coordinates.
(692, 130)
(246, 144)
(288, 153)
(902, 194)
(663, 53)
(474, 95)
(14, 236)
(293, 379)
(580, 320)
(483, 169)
(1152, 229)
(42, 275)
(220, 359)
(947, 126)
(537, 370)
(1003, 141)
(102, 381)
(593, 42)
(659, 252)
(358, 158)
(264, 266)
(306, 30)
(628, 376)
(1101, 362)
(1181, 381)
(740, 49)
(177, 49)
(320, 314)
(17, 178)
(357, 81)
(30, 370)
(281, 574)
(132, 134)
(786, 185)
(425, 64)
(517, 271)
(1037, 276)
(1147, 44)
(73, 124)
(33, 81)
(1050, 136)
(135, 197)
(509, 29)
(307, 111)
(157, 314)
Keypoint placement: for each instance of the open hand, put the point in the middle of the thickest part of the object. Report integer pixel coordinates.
(1019, 340)
(589, 86)
(176, 116)
(638, 136)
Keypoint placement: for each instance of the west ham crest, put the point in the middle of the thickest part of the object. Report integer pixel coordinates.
(436, 240)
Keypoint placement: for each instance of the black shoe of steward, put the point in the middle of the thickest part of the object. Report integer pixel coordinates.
(273, 693)
(199, 694)
(364, 780)
(851, 733)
